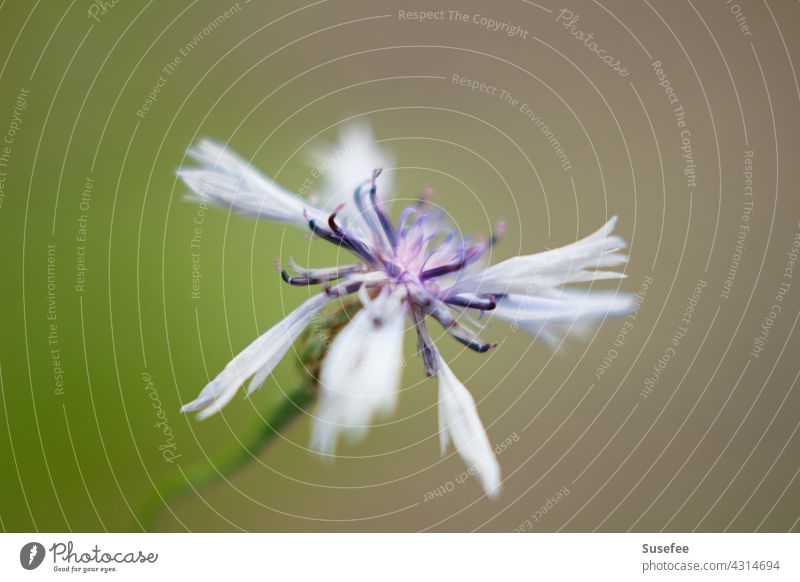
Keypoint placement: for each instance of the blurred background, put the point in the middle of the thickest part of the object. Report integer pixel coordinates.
(120, 299)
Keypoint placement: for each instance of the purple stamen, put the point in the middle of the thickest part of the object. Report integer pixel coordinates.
(424, 342)
(332, 221)
(368, 219)
(404, 216)
(442, 270)
(342, 289)
(483, 303)
(383, 218)
(301, 281)
(425, 197)
(386, 222)
(316, 276)
(472, 344)
(499, 230)
(464, 335)
(344, 240)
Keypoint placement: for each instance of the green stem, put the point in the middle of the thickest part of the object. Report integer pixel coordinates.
(202, 473)
(312, 347)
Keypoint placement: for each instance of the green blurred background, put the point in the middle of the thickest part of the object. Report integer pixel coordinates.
(713, 447)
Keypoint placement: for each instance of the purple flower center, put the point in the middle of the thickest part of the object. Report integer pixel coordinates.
(422, 253)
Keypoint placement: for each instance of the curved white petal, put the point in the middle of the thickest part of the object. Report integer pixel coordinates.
(345, 166)
(459, 422)
(360, 373)
(224, 179)
(541, 272)
(259, 358)
(569, 312)
(348, 163)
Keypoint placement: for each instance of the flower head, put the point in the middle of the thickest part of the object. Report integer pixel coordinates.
(417, 268)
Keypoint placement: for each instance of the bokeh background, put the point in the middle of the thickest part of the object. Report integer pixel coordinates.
(616, 433)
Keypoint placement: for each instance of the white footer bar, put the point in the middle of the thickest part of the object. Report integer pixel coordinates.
(406, 557)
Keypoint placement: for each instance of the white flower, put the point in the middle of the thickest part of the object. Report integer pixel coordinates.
(459, 422)
(567, 311)
(417, 266)
(361, 373)
(344, 165)
(227, 180)
(257, 360)
(574, 263)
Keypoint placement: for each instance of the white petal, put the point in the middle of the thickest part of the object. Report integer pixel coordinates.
(570, 311)
(458, 418)
(361, 373)
(259, 358)
(226, 180)
(538, 273)
(349, 163)
(444, 435)
(567, 306)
